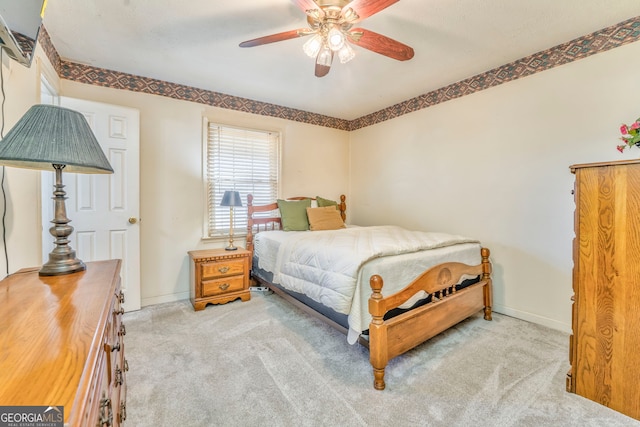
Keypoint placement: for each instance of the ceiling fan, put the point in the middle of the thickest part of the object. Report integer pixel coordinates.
(330, 24)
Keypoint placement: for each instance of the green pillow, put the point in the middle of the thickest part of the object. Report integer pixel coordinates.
(293, 214)
(326, 202)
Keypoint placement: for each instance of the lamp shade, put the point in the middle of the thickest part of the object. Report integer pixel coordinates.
(231, 198)
(48, 134)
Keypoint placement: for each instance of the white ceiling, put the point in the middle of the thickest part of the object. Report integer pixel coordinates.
(195, 43)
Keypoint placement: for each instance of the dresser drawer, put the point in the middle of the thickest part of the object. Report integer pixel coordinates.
(221, 286)
(222, 268)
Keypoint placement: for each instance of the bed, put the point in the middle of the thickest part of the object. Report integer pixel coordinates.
(399, 289)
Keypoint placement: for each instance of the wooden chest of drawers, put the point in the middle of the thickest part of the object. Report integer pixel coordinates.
(61, 340)
(604, 347)
(219, 276)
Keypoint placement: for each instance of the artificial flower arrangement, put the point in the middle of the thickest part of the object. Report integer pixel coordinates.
(630, 135)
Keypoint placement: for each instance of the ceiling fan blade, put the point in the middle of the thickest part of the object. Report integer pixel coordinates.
(323, 62)
(380, 44)
(366, 8)
(276, 37)
(322, 70)
(310, 7)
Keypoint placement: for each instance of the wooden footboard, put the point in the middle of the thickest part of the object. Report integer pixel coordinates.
(392, 337)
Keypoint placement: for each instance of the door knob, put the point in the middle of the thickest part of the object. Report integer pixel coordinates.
(133, 220)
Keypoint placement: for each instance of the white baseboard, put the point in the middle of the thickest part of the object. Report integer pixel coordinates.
(533, 318)
(164, 298)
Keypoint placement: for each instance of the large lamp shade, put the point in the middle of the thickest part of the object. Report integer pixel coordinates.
(47, 137)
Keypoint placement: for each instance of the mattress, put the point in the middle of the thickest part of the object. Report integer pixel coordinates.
(332, 268)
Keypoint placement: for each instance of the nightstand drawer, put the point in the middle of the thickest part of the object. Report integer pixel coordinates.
(222, 268)
(222, 286)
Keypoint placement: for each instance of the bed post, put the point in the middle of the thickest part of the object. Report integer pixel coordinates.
(249, 241)
(486, 275)
(343, 207)
(377, 333)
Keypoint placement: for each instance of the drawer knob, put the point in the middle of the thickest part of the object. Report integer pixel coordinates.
(223, 269)
(118, 377)
(123, 412)
(116, 312)
(224, 286)
(106, 413)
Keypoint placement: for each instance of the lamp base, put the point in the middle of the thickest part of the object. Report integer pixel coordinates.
(62, 259)
(60, 264)
(231, 246)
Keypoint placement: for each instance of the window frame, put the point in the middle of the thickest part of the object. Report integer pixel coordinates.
(223, 234)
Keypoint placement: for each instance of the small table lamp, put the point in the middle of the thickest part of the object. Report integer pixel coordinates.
(231, 199)
(50, 136)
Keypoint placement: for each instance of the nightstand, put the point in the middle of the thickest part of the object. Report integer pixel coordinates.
(219, 276)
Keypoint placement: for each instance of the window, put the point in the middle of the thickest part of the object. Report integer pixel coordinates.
(243, 160)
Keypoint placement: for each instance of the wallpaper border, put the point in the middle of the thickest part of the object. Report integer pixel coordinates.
(608, 38)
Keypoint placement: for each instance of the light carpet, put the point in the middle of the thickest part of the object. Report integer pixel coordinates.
(266, 363)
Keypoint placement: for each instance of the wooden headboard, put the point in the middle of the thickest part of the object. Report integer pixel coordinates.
(263, 223)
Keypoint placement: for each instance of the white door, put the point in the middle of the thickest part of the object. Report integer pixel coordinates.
(104, 209)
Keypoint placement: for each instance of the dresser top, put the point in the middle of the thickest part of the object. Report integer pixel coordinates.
(51, 329)
(600, 164)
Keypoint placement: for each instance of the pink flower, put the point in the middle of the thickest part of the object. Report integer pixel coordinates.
(630, 135)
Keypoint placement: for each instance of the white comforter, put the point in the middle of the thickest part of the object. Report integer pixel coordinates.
(327, 265)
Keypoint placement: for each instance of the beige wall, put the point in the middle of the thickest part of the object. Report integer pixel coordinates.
(314, 162)
(495, 165)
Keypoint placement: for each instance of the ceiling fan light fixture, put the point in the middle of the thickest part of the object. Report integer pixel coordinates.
(325, 56)
(312, 46)
(346, 53)
(331, 34)
(335, 39)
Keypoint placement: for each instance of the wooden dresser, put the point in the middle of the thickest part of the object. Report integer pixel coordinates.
(604, 350)
(61, 343)
(219, 276)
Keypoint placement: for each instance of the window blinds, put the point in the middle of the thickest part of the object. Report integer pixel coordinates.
(243, 160)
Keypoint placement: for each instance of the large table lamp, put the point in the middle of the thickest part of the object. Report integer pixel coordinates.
(231, 199)
(46, 137)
